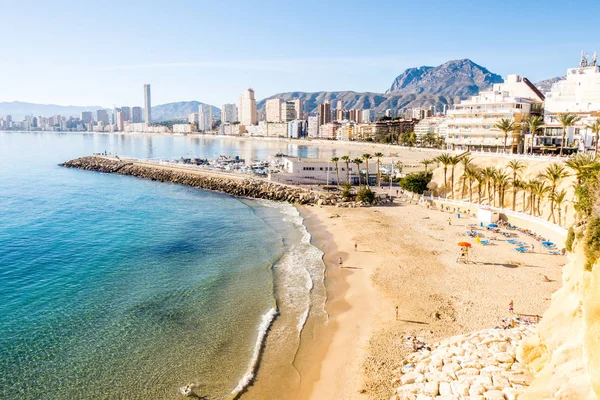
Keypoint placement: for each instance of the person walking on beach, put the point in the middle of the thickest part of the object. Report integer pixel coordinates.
(511, 307)
(340, 261)
(449, 221)
(355, 246)
(396, 313)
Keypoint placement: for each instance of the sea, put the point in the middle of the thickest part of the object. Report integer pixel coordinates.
(113, 287)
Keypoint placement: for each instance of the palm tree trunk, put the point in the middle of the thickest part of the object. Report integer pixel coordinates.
(597, 137)
(479, 194)
(337, 174)
(347, 172)
(552, 206)
(505, 137)
(562, 142)
(524, 199)
(470, 190)
(445, 182)
(367, 174)
(452, 183)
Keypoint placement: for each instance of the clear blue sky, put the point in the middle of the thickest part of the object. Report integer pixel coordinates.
(102, 52)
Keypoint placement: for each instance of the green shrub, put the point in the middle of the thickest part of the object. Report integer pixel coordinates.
(365, 194)
(570, 239)
(592, 242)
(346, 191)
(417, 182)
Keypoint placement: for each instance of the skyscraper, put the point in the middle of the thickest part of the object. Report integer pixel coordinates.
(102, 116)
(126, 113)
(299, 107)
(87, 117)
(274, 110)
(205, 117)
(120, 121)
(247, 108)
(288, 111)
(147, 104)
(324, 113)
(229, 113)
(136, 115)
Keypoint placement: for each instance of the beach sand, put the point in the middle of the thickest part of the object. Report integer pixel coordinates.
(407, 258)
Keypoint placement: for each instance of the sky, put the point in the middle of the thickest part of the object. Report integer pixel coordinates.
(101, 53)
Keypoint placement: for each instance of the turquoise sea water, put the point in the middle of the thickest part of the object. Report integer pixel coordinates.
(113, 287)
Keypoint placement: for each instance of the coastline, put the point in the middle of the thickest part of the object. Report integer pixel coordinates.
(406, 258)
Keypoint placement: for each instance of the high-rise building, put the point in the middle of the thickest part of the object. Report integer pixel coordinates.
(229, 113)
(126, 113)
(102, 116)
(313, 126)
(193, 118)
(87, 117)
(136, 115)
(299, 108)
(120, 121)
(324, 113)
(147, 104)
(273, 108)
(288, 111)
(205, 119)
(367, 116)
(114, 115)
(247, 110)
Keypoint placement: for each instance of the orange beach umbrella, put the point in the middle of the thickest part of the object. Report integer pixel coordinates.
(464, 244)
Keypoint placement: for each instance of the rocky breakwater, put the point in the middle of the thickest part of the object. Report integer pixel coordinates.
(236, 186)
(480, 365)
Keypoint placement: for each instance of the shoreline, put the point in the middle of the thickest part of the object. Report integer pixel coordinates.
(437, 297)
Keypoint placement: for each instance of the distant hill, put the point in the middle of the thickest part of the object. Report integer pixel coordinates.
(179, 110)
(18, 109)
(545, 85)
(415, 87)
(368, 100)
(454, 78)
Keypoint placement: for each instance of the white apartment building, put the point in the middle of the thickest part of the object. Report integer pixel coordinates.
(428, 125)
(329, 130)
(347, 131)
(247, 109)
(578, 94)
(205, 118)
(471, 122)
(136, 114)
(229, 113)
(273, 110)
(193, 118)
(288, 111)
(296, 129)
(147, 104)
(367, 116)
(312, 130)
(182, 128)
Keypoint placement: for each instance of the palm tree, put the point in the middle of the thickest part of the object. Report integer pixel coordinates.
(534, 123)
(566, 120)
(465, 161)
(595, 128)
(488, 174)
(554, 173)
(480, 178)
(506, 125)
(358, 161)
(426, 162)
(502, 180)
(367, 157)
(378, 156)
(539, 191)
(337, 170)
(444, 159)
(530, 187)
(558, 198)
(470, 174)
(584, 166)
(515, 166)
(518, 184)
(346, 159)
(454, 160)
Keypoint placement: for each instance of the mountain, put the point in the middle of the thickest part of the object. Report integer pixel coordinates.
(179, 110)
(415, 87)
(454, 78)
(368, 100)
(18, 109)
(545, 85)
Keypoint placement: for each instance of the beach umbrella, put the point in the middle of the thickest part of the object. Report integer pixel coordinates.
(492, 225)
(464, 244)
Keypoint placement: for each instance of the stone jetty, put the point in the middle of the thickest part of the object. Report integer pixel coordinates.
(234, 185)
(480, 366)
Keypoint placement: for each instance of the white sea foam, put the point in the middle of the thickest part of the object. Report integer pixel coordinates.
(263, 328)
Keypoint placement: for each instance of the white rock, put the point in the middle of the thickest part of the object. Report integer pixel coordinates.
(520, 378)
(431, 388)
(500, 382)
(511, 393)
(411, 377)
(445, 389)
(504, 357)
(476, 389)
(459, 389)
(450, 368)
(424, 397)
(467, 371)
(493, 395)
(485, 381)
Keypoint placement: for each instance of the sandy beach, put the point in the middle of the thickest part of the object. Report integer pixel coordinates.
(406, 258)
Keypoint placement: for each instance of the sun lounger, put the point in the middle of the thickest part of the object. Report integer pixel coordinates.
(529, 319)
(555, 252)
(484, 242)
(512, 241)
(522, 249)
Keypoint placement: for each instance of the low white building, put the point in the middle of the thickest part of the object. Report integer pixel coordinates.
(323, 171)
(182, 128)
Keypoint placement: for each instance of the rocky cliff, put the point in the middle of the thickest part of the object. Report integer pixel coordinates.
(564, 353)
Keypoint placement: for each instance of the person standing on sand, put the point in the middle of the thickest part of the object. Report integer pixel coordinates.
(396, 313)
(355, 246)
(449, 221)
(340, 261)
(511, 307)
